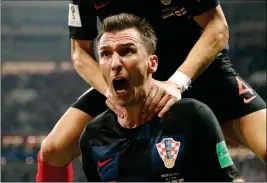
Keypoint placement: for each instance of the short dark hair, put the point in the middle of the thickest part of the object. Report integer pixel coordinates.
(124, 21)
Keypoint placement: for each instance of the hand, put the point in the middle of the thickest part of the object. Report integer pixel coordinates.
(111, 103)
(161, 97)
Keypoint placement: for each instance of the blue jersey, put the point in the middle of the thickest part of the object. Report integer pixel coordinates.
(187, 144)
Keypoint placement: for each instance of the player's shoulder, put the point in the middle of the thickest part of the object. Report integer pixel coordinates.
(188, 105)
(197, 112)
(188, 110)
(183, 111)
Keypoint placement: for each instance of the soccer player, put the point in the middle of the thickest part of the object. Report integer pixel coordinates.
(187, 144)
(192, 38)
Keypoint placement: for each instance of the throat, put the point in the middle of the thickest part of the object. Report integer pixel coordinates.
(131, 116)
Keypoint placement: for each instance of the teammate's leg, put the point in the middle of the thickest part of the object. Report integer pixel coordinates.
(239, 109)
(249, 126)
(250, 131)
(61, 146)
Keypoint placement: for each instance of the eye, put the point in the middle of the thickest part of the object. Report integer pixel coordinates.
(104, 53)
(126, 51)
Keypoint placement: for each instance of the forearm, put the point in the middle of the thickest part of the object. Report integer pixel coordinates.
(88, 69)
(212, 41)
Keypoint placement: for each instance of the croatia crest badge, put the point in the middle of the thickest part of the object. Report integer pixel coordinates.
(168, 150)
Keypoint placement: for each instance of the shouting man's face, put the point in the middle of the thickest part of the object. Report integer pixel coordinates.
(126, 65)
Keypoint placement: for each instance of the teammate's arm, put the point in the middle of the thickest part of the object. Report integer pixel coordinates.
(211, 160)
(210, 17)
(85, 64)
(82, 31)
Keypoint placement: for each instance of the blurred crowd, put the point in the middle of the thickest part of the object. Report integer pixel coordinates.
(33, 103)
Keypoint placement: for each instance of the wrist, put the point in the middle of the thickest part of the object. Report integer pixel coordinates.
(181, 80)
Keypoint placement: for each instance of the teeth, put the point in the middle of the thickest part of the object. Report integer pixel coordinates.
(120, 91)
(118, 79)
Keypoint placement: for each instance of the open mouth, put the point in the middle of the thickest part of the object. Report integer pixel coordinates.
(120, 85)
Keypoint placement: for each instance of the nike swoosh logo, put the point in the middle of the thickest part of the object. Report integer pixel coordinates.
(103, 163)
(98, 7)
(247, 100)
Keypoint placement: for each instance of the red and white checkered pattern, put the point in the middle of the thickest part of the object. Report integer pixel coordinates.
(162, 149)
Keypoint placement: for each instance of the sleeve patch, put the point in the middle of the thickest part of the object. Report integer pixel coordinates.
(74, 16)
(223, 155)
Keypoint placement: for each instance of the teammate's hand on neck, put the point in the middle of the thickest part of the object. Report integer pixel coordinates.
(161, 97)
(111, 103)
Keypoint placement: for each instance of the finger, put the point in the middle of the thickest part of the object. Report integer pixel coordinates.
(119, 108)
(113, 108)
(155, 102)
(108, 94)
(149, 98)
(110, 97)
(113, 101)
(148, 101)
(163, 102)
(160, 106)
(167, 107)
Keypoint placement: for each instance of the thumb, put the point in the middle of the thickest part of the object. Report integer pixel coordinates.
(110, 97)
(108, 94)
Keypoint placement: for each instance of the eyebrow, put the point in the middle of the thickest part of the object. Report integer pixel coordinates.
(120, 45)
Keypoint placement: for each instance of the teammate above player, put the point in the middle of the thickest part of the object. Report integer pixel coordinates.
(187, 144)
(191, 35)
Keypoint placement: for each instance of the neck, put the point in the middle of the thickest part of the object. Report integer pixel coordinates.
(132, 114)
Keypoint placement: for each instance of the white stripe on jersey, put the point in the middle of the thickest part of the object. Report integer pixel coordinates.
(90, 89)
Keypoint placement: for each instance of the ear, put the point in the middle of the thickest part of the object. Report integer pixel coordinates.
(153, 64)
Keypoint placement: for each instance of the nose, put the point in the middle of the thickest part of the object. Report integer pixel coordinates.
(116, 62)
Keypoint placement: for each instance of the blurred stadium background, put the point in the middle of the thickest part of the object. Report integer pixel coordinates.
(39, 82)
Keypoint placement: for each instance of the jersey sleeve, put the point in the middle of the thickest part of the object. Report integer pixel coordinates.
(88, 163)
(197, 7)
(82, 20)
(212, 161)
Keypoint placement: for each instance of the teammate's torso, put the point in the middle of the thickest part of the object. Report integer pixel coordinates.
(164, 15)
(176, 30)
(153, 152)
